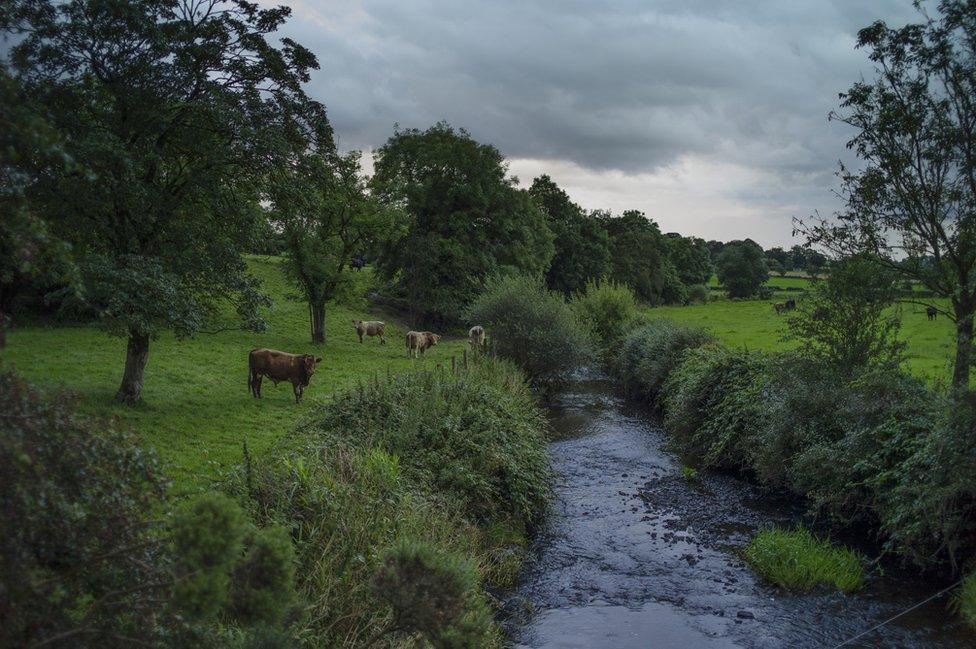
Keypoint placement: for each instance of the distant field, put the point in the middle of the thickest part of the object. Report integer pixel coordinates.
(196, 409)
(754, 325)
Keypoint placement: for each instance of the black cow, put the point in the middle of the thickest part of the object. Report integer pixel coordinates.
(357, 263)
(931, 312)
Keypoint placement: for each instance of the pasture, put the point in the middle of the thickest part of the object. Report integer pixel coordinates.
(753, 324)
(196, 410)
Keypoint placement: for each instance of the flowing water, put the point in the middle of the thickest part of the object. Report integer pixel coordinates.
(636, 556)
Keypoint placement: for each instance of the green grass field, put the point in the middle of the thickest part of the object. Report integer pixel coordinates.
(754, 325)
(196, 409)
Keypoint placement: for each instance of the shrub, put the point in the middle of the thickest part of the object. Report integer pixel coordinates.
(964, 600)
(741, 268)
(533, 327)
(605, 309)
(799, 560)
(698, 294)
(434, 594)
(649, 354)
(73, 503)
(714, 403)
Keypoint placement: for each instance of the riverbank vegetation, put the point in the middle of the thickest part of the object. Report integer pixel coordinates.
(796, 559)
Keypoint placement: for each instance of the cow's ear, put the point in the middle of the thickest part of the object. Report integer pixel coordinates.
(318, 359)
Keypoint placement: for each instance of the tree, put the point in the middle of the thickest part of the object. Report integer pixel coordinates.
(912, 202)
(639, 257)
(178, 111)
(690, 257)
(326, 217)
(779, 260)
(845, 320)
(465, 220)
(30, 256)
(582, 246)
(741, 268)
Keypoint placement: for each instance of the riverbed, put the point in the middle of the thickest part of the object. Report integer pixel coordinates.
(636, 555)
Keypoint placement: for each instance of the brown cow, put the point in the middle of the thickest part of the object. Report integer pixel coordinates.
(280, 366)
(779, 307)
(419, 341)
(476, 337)
(370, 328)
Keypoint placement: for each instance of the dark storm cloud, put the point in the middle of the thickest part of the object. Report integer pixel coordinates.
(625, 85)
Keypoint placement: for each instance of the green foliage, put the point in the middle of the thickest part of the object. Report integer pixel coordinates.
(698, 294)
(466, 221)
(178, 119)
(263, 581)
(714, 405)
(582, 245)
(404, 495)
(433, 594)
(533, 327)
(964, 600)
(78, 556)
(639, 258)
(327, 218)
(741, 268)
(798, 560)
(606, 310)
(690, 257)
(846, 320)
(649, 353)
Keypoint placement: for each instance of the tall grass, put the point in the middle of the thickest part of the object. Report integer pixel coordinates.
(964, 600)
(797, 559)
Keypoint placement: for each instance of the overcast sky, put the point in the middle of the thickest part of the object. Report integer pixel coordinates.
(708, 115)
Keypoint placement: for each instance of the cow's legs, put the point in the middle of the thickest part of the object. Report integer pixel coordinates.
(382, 339)
(298, 392)
(360, 334)
(257, 385)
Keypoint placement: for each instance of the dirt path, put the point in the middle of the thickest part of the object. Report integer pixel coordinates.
(635, 555)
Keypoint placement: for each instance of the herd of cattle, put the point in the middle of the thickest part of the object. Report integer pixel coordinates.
(298, 369)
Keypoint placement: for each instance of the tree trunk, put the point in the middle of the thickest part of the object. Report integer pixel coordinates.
(317, 313)
(136, 355)
(964, 342)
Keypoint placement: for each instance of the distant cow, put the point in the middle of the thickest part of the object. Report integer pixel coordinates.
(790, 304)
(357, 263)
(476, 337)
(779, 307)
(419, 341)
(280, 366)
(370, 328)
(931, 312)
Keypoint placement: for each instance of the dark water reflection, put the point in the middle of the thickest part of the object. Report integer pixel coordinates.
(636, 556)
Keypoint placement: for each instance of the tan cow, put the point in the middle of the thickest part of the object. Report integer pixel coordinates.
(476, 337)
(370, 328)
(419, 341)
(280, 366)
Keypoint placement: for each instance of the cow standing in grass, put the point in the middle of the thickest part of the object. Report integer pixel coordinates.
(931, 312)
(476, 337)
(419, 341)
(370, 328)
(280, 366)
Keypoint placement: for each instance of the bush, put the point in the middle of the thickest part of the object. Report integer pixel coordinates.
(533, 327)
(964, 600)
(605, 309)
(422, 473)
(714, 404)
(741, 268)
(698, 294)
(797, 559)
(433, 594)
(649, 354)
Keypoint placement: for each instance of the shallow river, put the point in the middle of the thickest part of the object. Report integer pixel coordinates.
(636, 556)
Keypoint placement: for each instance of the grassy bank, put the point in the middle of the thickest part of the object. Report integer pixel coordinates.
(196, 409)
(796, 559)
(754, 325)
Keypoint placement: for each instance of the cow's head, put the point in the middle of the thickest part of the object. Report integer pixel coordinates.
(356, 323)
(433, 338)
(309, 362)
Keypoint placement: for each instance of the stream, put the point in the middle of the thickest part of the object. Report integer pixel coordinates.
(634, 555)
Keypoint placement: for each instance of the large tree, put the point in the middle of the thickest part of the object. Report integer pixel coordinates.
(690, 257)
(466, 220)
(911, 202)
(178, 111)
(326, 217)
(741, 268)
(639, 257)
(582, 245)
